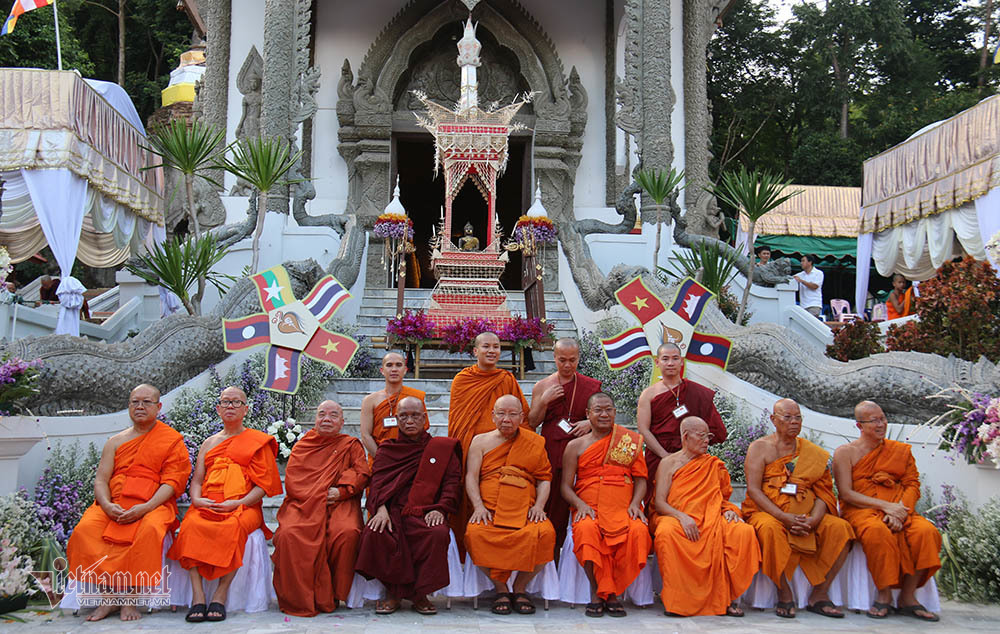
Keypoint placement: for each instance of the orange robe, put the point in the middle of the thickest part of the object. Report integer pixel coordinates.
(617, 545)
(215, 541)
(705, 576)
(889, 472)
(781, 552)
(142, 465)
(507, 486)
(316, 544)
(388, 408)
(470, 413)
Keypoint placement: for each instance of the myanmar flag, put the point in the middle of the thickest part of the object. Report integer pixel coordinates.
(20, 7)
(274, 288)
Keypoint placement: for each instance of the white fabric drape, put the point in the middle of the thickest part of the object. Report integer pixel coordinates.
(60, 199)
(863, 271)
(170, 303)
(988, 214)
(742, 241)
(917, 249)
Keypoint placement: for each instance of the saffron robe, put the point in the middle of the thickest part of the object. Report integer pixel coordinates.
(617, 545)
(507, 486)
(388, 408)
(667, 428)
(781, 552)
(889, 472)
(142, 465)
(316, 544)
(470, 413)
(703, 577)
(412, 479)
(579, 391)
(214, 542)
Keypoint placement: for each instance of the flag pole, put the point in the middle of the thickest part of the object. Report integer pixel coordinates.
(55, 12)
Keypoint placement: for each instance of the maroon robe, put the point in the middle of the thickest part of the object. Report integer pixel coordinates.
(411, 479)
(555, 444)
(699, 402)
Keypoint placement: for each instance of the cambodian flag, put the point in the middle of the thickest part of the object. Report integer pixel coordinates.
(282, 370)
(690, 301)
(626, 348)
(239, 334)
(712, 349)
(325, 298)
(21, 7)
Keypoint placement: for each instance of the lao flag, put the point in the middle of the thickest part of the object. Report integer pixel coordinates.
(639, 300)
(329, 347)
(626, 348)
(325, 298)
(282, 373)
(239, 334)
(709, 349)
(690, 300)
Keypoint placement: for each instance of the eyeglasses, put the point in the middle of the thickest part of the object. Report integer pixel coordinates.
(228, 403)
(704, 436)
(880, 419)
(144, 403)
(408, 416)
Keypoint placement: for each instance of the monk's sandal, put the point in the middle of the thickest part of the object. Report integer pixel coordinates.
(595, 609)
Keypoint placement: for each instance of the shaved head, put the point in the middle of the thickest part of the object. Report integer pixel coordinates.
(150, 389)
(393, 356)
(483, 337)
(509, 401)
(864, 406)
(693, 423)
(233, 391)
(567, 343)
(669, 345)
(411, 401)
(329, 418)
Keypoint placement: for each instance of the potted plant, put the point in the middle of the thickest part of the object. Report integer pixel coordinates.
(15, 578)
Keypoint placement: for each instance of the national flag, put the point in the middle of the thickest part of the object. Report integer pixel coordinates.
(690, 300)
(996, 54)
(639, 300)
(239, 334)
(282, 374)
(709, 349)
(20, 7)
(325, 298)
(329, 347)
(626, 348)
(274, 288)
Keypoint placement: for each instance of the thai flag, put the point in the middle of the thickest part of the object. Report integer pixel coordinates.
(239, 334)
(330, 347)
(325, 298)
(690, 301)
(626, 348)
(282, 370)
(709, 349)
(20, 8)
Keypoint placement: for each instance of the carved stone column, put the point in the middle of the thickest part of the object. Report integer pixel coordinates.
(657, 94)
(279, 73)
(214, 93)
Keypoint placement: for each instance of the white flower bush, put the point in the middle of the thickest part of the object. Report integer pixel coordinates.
(287, 433)
(15, 570)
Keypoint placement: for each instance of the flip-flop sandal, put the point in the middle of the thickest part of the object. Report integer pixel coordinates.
(614, 608)
(386, 607)
(784, 609)
(820, 608)
(425, 608)
(216, 607)
(523, 604)
(911, 610)
(501, 605)
(595, 610)
(879, 606)
(732, 610)
(197, 613)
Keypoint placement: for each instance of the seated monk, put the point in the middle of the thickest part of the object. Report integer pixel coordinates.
(790, 503)
(508, 480)
(707, 555)
(378, 409)
(879, 485)
(416, 483)
(236, 468)
(468, 417)
(141, 473)
(610, 536)
(319, 522)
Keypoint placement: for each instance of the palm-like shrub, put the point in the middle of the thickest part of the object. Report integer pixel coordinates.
(659, 185)
(177, 266)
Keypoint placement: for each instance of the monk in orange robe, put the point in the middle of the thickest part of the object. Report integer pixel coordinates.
(610, 536)
(378, 409)
(319, 523)
(879, 485)
(707, 555)
(142, 472)
(790, 503)
(559, 405)
(508, 480)
(236, 468)
(472, 391)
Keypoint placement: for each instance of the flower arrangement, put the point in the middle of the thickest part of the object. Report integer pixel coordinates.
(395, 226)
(526, 333)
(993, 246)
(741, 430)
(18, 381)
(66, 488)
(287, 433)
(971, 427)
(412, 326)
(15, 570)
(6, 297)
(625, 385)
(532, 230)
(460, 334)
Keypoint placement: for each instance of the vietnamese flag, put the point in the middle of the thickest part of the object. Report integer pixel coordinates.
(640, 301)
(329, 347)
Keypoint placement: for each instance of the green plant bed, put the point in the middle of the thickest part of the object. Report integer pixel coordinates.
(13, 604)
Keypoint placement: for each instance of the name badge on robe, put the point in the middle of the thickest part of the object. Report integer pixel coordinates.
(566, 426)
(389, 421)
(790, 488)
(680, 411)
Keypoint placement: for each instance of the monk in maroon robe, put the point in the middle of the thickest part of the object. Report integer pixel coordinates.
(416, 483)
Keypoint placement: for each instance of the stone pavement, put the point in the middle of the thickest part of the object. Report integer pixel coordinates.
(956, 617)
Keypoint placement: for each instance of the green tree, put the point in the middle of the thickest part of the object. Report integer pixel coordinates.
(32, 43)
